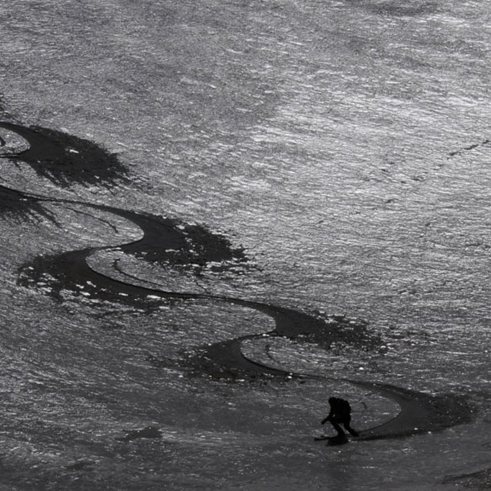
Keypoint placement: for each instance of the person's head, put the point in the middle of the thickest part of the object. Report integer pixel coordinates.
(332, 400)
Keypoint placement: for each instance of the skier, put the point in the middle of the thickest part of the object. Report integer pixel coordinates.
(340, 414)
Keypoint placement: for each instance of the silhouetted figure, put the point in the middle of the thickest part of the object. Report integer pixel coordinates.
(340, 414)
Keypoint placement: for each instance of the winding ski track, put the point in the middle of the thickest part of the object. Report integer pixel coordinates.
(66, 160)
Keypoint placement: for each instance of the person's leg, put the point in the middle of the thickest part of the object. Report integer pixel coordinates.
(346, 423)
(351, 430)
(338, 428)
(340, 438)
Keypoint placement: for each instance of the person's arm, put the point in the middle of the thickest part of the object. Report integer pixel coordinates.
(327, 418)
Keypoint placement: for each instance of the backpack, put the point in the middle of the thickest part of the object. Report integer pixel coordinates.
(343, 406)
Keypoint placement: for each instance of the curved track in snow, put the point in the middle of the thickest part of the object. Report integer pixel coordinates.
(66, 160)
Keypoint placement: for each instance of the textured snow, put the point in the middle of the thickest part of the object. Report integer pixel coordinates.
(345, 145)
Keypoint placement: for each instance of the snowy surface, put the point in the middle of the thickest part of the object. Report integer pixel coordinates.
(345, 145)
